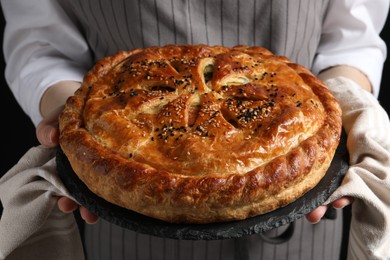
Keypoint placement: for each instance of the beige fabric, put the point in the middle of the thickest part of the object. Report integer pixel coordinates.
(31, 226)
(368, 177)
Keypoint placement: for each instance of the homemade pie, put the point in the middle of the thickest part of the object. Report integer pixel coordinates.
(200, 134)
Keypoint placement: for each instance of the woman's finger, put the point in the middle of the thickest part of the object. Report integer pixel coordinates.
(88, 216)
(316, 215)
(67, 205)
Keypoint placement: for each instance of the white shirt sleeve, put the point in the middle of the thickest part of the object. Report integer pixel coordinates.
(41, 47)
(351, 37)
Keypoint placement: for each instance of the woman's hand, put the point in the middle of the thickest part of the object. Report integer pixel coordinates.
(357, 76)
(316, 215)
(48, 133)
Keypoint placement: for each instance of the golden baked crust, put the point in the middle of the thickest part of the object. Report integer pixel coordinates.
(200, 134)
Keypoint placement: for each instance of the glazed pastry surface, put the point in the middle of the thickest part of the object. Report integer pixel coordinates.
(200, 134)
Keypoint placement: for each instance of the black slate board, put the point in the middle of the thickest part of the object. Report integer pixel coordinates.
(146, 225)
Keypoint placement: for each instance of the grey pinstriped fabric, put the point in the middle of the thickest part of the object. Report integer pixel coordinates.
(105, 241)
(287, 27)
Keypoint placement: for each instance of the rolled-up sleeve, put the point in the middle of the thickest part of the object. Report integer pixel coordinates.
(41, 46)
(351, 36)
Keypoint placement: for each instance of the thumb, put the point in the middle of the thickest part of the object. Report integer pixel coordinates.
(47, 131)
(47, 135)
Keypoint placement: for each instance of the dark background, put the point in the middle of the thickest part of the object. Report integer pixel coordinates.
(19, 133)
(16, 128)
